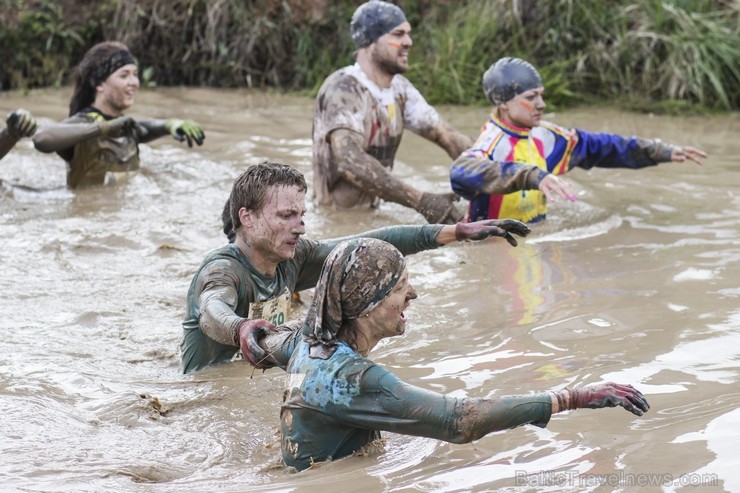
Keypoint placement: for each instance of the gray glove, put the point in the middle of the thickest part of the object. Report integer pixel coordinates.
(439, 208)
(480, 230)
(21, 123)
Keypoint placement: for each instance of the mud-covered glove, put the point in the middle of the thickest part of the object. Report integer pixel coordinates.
(248, 334)
(20, 123)
(600, 395)
(117, 126)
(183, 130)
(480, 230)
(439, 208)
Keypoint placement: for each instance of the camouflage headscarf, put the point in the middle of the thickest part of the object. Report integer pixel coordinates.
(356, 276)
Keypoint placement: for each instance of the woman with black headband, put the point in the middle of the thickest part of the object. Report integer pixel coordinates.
(337, 400)
(97, 137)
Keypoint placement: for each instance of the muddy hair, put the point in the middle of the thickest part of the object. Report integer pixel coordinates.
(250, 188)
(87, 74)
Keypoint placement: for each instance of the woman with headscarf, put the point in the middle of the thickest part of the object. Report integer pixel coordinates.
(98, 138)
(337, 400)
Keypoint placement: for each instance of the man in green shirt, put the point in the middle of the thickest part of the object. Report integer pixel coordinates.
(248, 284)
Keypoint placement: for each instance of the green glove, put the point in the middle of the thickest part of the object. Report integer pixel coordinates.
(21, 123)
(185, 129)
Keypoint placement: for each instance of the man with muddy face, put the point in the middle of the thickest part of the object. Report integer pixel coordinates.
(516, 132)
(246, 286)
(361, 113)
(19, 123)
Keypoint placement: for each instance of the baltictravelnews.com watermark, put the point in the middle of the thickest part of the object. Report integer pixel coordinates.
(614, 479)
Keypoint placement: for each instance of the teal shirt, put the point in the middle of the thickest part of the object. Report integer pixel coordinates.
(226, 284)
(334, 407)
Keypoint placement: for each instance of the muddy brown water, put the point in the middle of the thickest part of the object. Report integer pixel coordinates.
(637, 282)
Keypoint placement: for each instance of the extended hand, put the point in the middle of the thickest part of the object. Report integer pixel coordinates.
(185, 130)
(439, 208)
(608, 394)
(20, 123)
(248, 334)
(480, 230)
(554, 187)
(681, 154)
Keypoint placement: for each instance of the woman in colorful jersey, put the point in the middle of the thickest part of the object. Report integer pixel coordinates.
(98, 138)
(337, 400)
(516, 133)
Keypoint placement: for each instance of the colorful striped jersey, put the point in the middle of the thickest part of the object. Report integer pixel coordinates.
(551, 148)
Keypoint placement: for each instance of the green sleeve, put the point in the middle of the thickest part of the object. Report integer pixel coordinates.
(387, 403)
(409, 239)
(154, 129)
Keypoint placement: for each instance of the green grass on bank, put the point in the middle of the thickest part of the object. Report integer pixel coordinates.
(678, 56)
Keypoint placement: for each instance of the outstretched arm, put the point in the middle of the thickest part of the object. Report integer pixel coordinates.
(181, 130)
(472, 174)
(66, 134)
(615, 151)
(366, 173)
(412, 410)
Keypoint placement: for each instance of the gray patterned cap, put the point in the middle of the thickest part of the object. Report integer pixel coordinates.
(372, 20)
(509, 77)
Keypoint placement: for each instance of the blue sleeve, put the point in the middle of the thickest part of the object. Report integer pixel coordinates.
(472, 175)
(604, 150)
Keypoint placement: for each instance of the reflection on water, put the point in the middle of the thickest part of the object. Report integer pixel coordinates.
(636, 282)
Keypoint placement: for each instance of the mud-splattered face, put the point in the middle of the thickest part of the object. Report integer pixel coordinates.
(273, 231)
(391, 51)
(116, 93)
(525, 110)
(388, 318)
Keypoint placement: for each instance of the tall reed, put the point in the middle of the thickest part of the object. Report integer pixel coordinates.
(643, 52)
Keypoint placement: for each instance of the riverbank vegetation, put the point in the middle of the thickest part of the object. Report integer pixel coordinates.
(673, 55)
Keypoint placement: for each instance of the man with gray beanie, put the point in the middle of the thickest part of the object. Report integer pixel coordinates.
(487, 174)
(361, 113)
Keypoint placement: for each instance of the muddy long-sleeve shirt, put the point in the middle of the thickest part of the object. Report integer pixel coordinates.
(349, 100)
(476, 174)
(336, 406)
(90, 155)
(227, 289)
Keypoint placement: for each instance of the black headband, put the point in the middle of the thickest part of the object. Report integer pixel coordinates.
(117, 60)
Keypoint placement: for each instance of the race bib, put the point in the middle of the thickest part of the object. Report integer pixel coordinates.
(275, 310)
